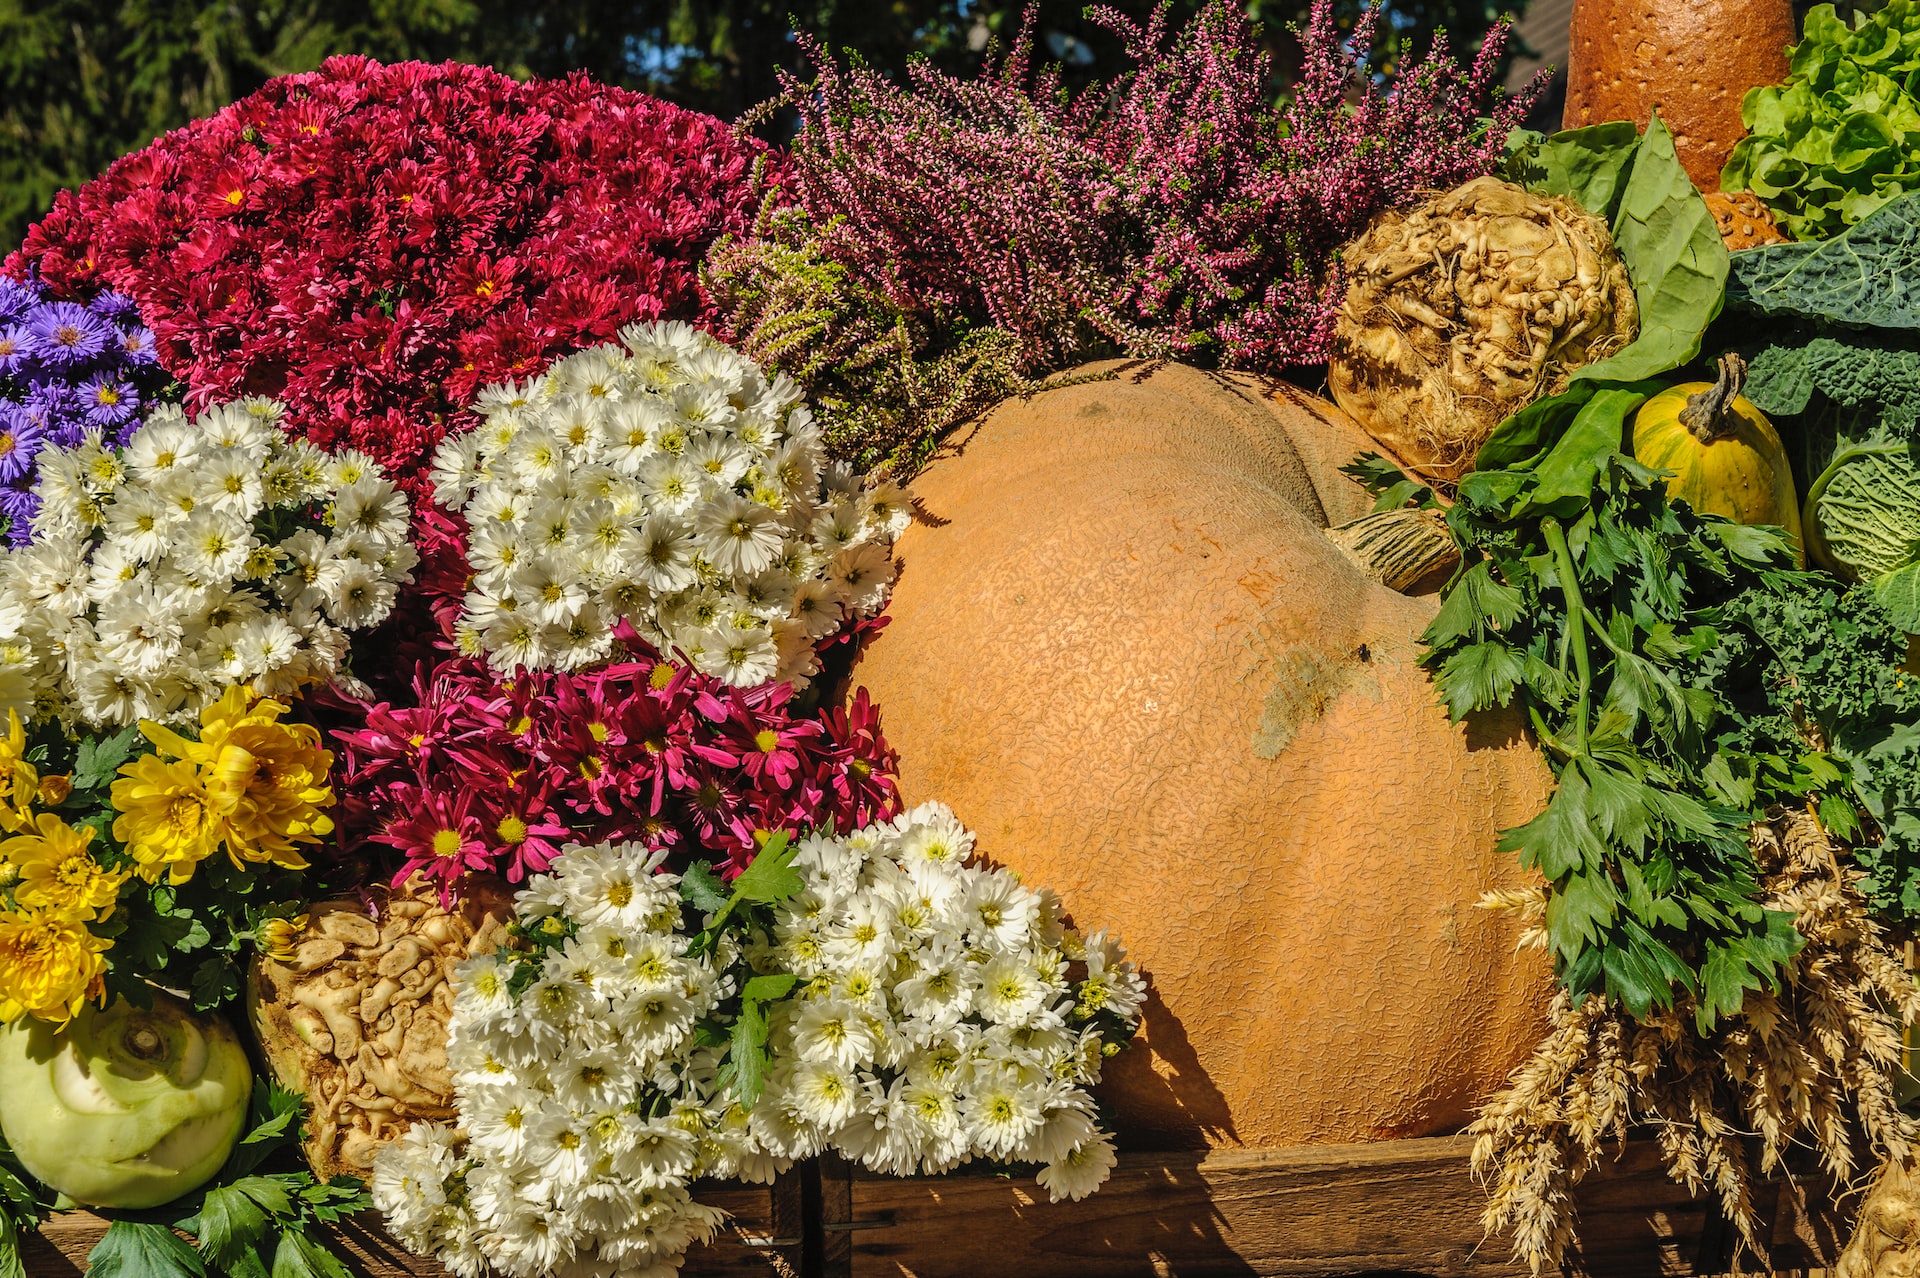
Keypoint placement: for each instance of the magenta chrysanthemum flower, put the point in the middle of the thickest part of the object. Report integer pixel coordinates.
(642, 750)
(439, 835)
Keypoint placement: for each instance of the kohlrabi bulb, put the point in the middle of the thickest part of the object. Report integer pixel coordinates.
(128, 1107)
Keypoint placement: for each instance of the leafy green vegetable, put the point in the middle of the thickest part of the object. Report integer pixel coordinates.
(1873, 377)
(1391, 488)
(1868, 276)
(747, 1059)
(1675, 257)
(1841, 137)
(299, 1256)
(1826, 667)
(23, 1204)
(1588, 166)
(1678, 675)
(229, 1224)
(142, 1249)
(1862, 518)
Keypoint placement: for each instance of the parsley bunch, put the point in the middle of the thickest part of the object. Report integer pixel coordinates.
(1680, 677)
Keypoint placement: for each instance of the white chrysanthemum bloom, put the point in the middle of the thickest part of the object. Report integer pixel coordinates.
(936, 1012)
(204, 554)
(668, 483)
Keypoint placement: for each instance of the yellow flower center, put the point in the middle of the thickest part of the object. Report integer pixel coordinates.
(599, 731)
(620, 895)
(511, 829)
(767, 739)
(185, 815)
(446, 843)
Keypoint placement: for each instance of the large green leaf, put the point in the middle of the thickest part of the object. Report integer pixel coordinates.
(1899, 593)
(1678, 264)
(137, 1249)
(11, 1265)
(1597, 432)
(1588, 166)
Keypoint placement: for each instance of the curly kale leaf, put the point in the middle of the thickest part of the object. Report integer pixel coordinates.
(1869, 276)
(1873, 377)
(1825, 668)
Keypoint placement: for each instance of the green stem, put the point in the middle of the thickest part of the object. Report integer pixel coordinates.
(1576, 623)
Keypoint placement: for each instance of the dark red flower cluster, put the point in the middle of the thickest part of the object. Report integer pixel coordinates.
(371, 243)
(481, 775)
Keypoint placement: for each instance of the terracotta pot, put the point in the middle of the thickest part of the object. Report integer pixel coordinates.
(1125, 651)
(1692, 60)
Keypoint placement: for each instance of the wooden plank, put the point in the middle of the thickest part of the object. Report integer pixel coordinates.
(763, 1240)
(1409, 1206)
(1406, 1206)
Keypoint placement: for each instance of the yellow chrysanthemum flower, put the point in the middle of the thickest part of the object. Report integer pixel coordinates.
(164, 817)
(49, 965)
(58, 873)
(19, 780)
(278, 937)
(261, 785)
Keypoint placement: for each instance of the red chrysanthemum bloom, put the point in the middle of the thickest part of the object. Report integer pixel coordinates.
(371, 244)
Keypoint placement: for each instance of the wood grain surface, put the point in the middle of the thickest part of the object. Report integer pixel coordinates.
(1407, 1207)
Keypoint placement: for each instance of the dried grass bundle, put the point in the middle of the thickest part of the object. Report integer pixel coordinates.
(1812, 1065)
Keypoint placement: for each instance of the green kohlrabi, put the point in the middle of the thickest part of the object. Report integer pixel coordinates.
(128, 1107)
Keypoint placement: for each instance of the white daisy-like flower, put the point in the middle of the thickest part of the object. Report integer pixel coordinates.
(699, 477)
(212, 568)
(1081, 1170)
(915, 1011)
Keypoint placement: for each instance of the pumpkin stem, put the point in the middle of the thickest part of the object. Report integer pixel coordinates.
(1709, 414)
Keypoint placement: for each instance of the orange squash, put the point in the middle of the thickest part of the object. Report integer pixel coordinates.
(1124, 650)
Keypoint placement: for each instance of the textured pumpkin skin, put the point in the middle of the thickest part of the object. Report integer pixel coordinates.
(1692, 60)
(1744, 476)
(1124, 651)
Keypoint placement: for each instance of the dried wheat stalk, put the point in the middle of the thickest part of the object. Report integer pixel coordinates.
(1813, 1065)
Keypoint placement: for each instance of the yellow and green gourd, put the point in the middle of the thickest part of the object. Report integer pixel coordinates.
(1725, 457)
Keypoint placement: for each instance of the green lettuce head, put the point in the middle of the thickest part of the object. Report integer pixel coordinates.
(128, 1107)
(1862, 520)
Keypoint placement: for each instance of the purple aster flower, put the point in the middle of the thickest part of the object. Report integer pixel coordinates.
(66, 335)
(113, 306)
(111, 400)
(59, 411)
(16, 300)
(20, 441)
(14, 342)
(136, 345)
(18, 505)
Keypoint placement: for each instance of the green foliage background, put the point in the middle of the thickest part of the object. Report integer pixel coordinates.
(82, 82)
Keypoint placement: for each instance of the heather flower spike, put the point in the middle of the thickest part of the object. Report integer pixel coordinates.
(945, 242)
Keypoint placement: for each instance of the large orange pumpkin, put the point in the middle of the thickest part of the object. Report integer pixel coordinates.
(1124, 650)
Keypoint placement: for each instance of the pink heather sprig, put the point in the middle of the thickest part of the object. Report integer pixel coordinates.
(1177, 212)
(480, 774)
